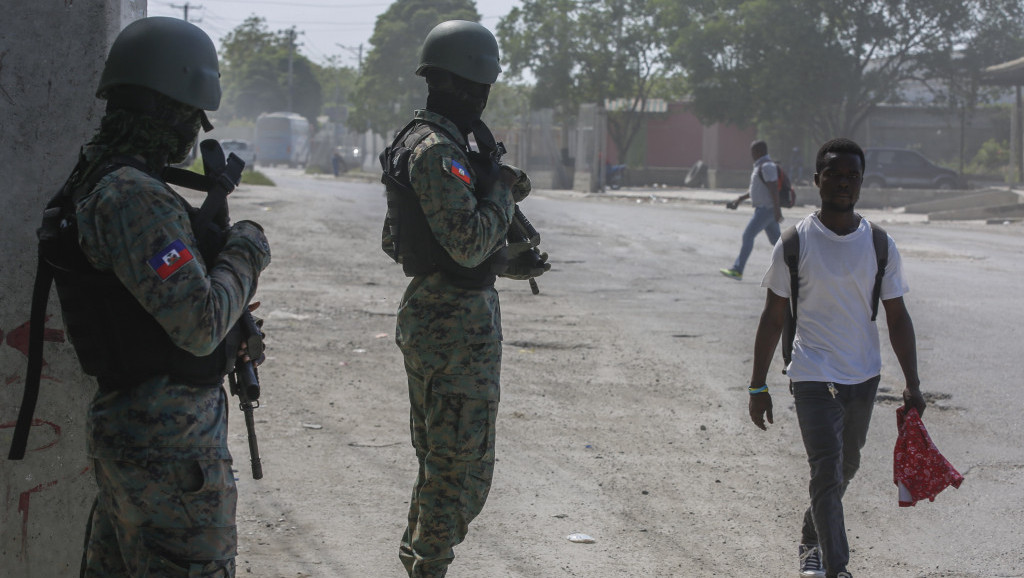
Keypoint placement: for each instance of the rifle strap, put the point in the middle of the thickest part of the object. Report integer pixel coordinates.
(40, 297)
(37, 320)
(186, 178)
(44, 281)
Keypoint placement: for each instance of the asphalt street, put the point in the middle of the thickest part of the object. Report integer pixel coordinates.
(623, 409)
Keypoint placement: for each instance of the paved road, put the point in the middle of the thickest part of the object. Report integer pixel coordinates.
(624, 402)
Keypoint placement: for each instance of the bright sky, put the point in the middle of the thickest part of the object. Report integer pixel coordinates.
(326, 27)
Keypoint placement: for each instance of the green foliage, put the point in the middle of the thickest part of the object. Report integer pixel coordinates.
(257, 178)
(993, 156)
(255, 73)
(249, 177)
(809, 67)
(338, 84)
(388, 90)
(506, 104)
(589, 51)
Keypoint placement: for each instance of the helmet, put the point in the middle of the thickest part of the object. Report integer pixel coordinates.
(463, 48)
(167, 55)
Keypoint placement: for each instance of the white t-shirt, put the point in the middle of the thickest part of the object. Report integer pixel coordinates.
(836, 341)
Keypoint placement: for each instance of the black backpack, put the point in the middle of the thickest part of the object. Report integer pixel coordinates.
(791, 255)
(787, 196)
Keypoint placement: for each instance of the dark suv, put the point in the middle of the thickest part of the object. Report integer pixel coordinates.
(892, 167)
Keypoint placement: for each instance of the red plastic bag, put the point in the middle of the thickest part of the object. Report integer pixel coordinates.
(919, 470)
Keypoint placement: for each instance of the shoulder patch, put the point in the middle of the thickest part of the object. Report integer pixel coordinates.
(170, 259)
(456, 169)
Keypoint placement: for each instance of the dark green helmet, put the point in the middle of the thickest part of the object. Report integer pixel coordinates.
(168, 55)
(463, 48)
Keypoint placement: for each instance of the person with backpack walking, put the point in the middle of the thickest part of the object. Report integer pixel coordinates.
(836, 359)
(763, 192)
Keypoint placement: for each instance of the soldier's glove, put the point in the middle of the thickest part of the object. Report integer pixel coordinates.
(525, 262)
(517, 182)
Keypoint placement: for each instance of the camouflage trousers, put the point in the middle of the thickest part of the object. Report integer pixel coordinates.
(454, 403)
(162, 519)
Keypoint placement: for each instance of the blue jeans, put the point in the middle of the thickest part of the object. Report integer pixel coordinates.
(834, 430)
(762, 220)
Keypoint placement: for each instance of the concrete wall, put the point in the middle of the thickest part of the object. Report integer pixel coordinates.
(51, 54)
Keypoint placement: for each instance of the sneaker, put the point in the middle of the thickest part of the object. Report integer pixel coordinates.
(810, 561)
(732, 273)
(844, 575)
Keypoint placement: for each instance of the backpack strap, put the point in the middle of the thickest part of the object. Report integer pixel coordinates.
(778, 178)
(880, 239)
(791, 256)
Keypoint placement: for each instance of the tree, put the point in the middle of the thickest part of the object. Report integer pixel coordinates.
(806, 67)
(589, 51)
(996, 35)
(338, 83)
(261, 71)
(388, 90)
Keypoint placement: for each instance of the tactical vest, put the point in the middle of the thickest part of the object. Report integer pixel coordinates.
(415, 246)
(115, 338)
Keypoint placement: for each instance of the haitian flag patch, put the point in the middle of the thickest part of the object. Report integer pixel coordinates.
(172, 258)
(460, 171)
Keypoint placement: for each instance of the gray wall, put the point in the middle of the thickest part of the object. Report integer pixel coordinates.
(51, 54)
(933, 132)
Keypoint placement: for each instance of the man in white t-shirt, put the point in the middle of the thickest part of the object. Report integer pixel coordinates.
(834, 372)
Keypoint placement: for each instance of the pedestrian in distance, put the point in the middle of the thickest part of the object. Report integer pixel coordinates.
(763, 192)
(336, 162)
(151, 317)
(449, 213)
(836, 359)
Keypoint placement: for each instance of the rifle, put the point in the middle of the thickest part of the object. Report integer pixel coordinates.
(210, 225)
(520, 230)
(245, 383)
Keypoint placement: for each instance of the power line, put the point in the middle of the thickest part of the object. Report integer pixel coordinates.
(186, 6)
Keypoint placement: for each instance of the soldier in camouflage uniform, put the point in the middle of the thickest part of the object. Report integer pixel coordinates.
(156, 431)
(449, 209)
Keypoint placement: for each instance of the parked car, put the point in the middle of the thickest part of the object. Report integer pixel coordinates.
(895, 167)
(242, 149)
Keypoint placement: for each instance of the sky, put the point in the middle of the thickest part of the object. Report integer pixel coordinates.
(327, 27)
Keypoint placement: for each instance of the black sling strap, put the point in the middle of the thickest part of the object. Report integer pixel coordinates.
(40, 295)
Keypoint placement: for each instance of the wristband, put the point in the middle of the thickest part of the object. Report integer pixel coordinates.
(757, 390)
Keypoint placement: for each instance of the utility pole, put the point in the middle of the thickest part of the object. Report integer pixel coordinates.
(290, 34)
(358, 51)
(185, 7)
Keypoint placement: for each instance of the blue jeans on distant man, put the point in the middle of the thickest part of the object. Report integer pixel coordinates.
(762, 220)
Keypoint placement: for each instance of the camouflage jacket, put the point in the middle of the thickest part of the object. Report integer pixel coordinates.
(126, 223)
(433, 313)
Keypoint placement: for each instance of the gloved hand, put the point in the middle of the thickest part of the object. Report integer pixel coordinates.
(732, 205)
(517, 181)
(525, 262)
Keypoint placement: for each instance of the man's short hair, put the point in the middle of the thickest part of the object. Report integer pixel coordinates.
(838, 146)
(759, 144)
